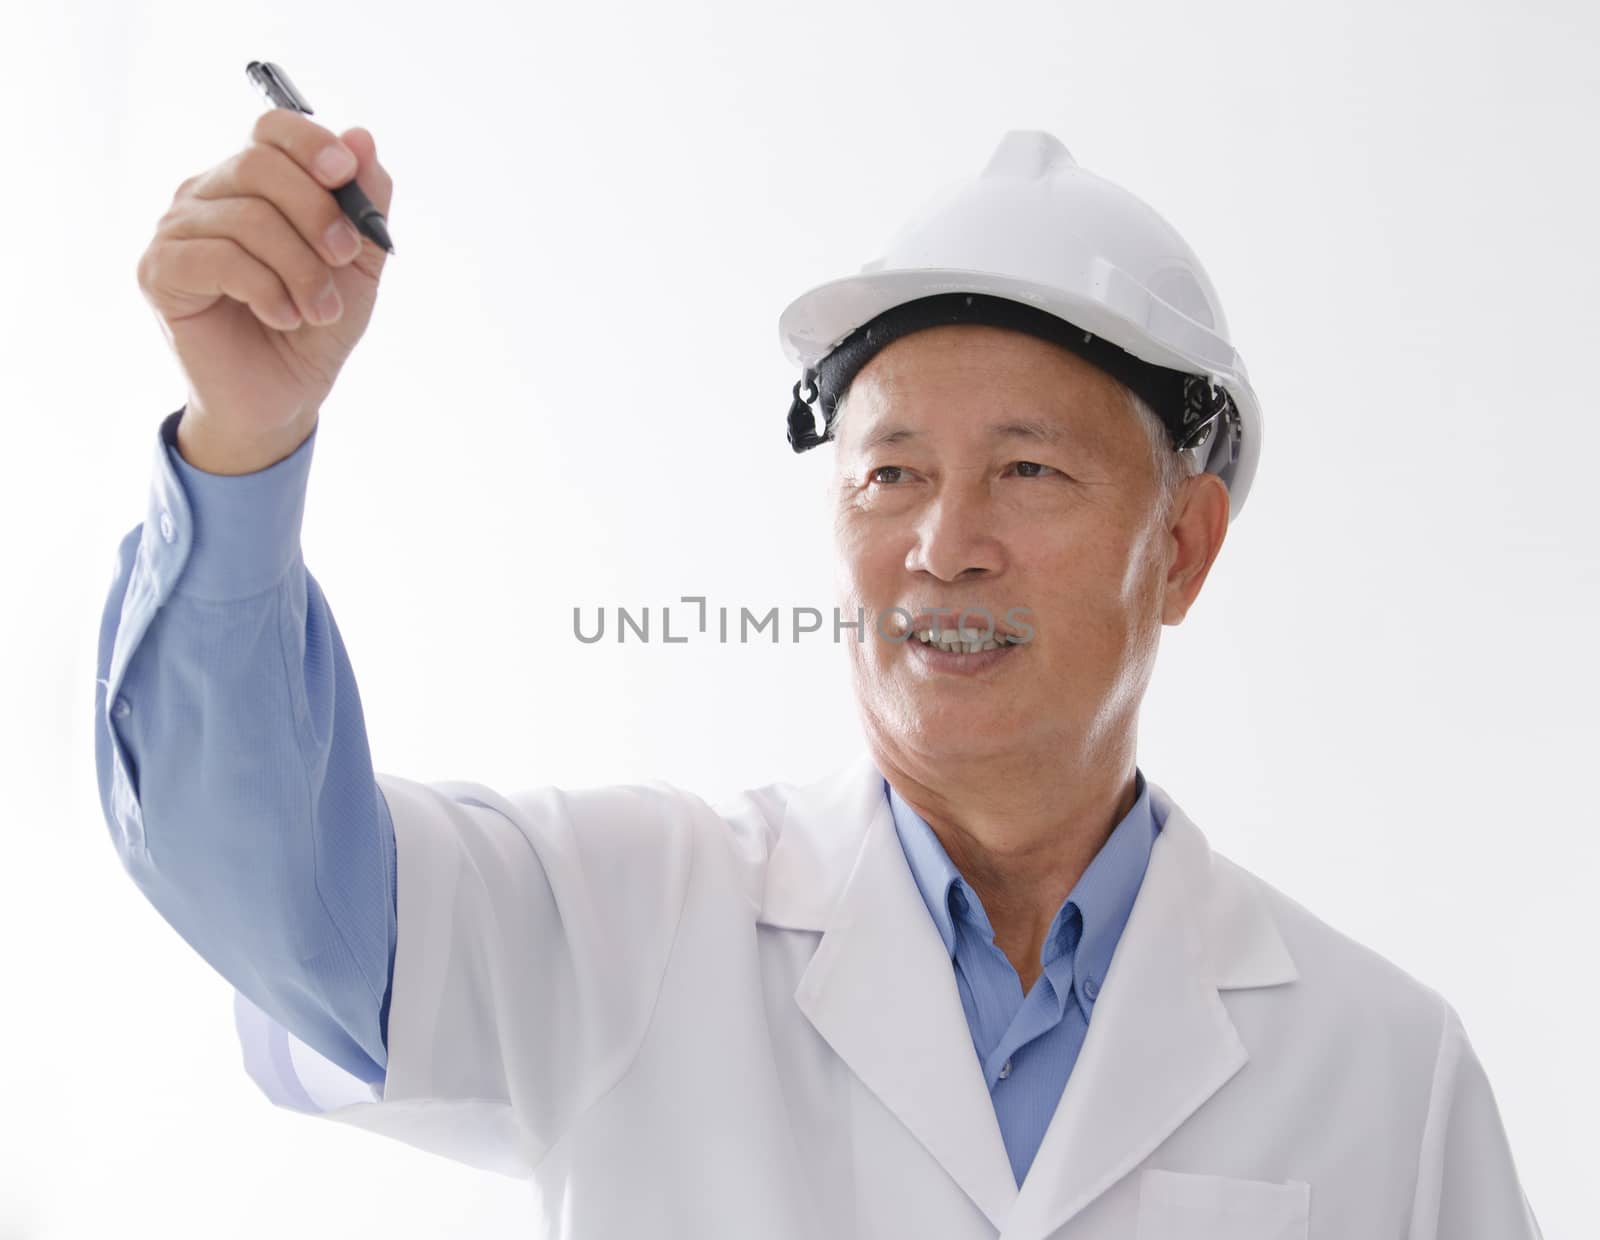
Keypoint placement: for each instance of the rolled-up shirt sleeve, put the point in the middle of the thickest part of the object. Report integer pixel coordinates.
(232, 757)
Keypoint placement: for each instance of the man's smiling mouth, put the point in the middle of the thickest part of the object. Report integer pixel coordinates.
(965, 640)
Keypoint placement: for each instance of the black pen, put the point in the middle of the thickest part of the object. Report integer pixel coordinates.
(280, 92)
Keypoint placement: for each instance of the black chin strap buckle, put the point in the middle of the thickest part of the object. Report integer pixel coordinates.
(1204, 405)
(802, 417)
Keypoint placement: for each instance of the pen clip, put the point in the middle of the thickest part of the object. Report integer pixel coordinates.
(274, 83)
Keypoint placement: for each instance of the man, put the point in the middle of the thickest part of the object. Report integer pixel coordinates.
(986, 981)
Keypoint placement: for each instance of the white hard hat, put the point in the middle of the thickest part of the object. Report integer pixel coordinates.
(1037, 243)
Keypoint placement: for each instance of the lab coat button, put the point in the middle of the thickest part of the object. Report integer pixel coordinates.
(167, 531)
(1005, 1069)
(1091, 988)
(120, 708)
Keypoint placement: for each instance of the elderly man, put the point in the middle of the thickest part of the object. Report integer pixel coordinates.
(985, 981)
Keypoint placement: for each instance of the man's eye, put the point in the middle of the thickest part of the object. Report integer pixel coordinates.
(1032, 469)
(885, 469)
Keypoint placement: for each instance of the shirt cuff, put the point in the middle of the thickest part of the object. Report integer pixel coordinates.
(244, 529)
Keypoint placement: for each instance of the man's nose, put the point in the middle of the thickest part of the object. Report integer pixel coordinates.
(955, 536)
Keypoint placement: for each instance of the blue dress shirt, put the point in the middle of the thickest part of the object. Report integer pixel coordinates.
(232, 755)
(235, 778)
(1027, 1045)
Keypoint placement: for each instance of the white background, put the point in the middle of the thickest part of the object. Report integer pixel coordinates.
(571, 394)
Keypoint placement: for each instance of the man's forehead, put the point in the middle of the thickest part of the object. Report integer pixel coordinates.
(890, 429)
(1081, 417)
(998, 384)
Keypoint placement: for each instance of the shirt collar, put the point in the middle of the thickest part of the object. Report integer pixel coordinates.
(1103, 895)
(930, 865)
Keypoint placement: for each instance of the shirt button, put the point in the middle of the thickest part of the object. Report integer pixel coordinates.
(120, 708)
(1005, 1069)
(1091, 988)
(167, 531)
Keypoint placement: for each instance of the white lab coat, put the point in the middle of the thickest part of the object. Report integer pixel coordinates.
(680, 1021)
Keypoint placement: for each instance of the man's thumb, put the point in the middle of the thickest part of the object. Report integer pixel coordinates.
(370, 174)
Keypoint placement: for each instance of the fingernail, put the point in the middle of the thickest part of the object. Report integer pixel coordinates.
(327, 306)
(335, 163)
(341, 240)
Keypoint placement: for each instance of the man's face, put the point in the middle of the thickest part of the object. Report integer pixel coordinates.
(985, 468)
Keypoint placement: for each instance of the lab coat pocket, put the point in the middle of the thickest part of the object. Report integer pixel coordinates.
(1177, 1205)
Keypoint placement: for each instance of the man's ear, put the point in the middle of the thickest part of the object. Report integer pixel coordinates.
(1198, 526)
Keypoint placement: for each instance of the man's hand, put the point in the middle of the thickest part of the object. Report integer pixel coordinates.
(263, 288)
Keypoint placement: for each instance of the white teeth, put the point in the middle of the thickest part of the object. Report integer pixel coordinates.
(962, 641)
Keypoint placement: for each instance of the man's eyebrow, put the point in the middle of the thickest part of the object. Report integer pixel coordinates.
(1035, 429)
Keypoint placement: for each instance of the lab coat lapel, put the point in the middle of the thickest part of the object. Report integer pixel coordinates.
(1160, 1041)
(880, 988)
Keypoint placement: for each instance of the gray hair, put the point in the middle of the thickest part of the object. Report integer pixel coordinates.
(1171, 467)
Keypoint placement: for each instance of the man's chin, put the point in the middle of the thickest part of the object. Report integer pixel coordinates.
(969, 728)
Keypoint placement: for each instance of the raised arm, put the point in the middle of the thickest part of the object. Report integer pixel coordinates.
(232, 755)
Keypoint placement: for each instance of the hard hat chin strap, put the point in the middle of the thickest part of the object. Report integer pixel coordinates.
(1190, 406)
(802, 420)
